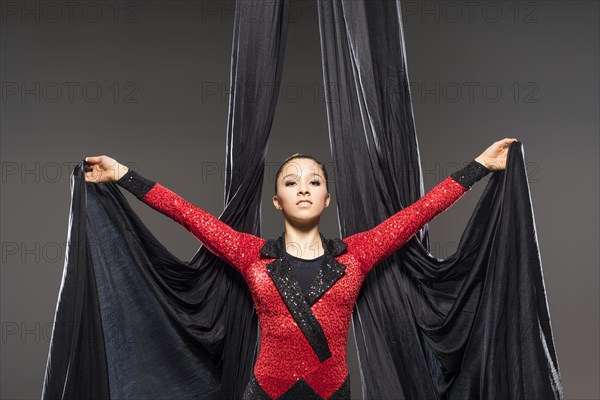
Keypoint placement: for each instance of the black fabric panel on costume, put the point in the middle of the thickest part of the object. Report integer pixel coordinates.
(470, 173)
(135, 183)
(305, 270)
(133, 321)
(473, 326)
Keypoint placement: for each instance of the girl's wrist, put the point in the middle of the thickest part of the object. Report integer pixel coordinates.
(481, 161)
(121, 171)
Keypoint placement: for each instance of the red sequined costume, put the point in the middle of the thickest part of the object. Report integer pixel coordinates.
(303, 335)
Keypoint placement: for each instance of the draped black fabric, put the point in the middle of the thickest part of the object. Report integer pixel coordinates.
(473, 326)
(135, 322)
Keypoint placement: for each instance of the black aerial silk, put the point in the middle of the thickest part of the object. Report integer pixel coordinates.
(135, 322)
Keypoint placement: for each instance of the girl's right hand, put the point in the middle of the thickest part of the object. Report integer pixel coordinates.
(494, 157)
(104, 169)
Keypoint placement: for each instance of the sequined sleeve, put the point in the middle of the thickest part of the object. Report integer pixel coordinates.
(470, 174)
(372, 246)
(135, 183)
(237, 248)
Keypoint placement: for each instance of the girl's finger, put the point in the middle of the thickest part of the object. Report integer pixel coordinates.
(93, 160)
(92, 176)
(507, 141)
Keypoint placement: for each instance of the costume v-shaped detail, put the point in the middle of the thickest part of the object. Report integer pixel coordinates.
(287, 284)
(299, 390)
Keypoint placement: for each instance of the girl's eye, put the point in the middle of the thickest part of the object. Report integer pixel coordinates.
(289, 183)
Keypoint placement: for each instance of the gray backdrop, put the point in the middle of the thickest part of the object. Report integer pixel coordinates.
(146, 82)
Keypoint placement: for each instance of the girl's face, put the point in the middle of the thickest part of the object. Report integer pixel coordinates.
(301, 191)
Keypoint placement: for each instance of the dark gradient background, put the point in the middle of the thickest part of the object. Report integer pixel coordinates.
(500, 69)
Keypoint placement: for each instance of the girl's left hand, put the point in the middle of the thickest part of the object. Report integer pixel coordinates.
(494, 157)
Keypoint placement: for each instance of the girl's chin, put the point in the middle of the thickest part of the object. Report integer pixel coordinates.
(304, 217)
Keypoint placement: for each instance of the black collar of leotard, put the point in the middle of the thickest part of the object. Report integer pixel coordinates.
(274, 248)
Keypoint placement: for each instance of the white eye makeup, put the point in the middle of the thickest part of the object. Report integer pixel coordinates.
(290, 182)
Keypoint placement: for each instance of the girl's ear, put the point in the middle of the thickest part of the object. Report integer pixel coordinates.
(276, 202)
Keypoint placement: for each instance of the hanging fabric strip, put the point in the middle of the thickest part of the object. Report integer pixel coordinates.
(473, 326)
(132, 320)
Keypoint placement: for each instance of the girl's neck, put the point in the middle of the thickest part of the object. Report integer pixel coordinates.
(303, 244)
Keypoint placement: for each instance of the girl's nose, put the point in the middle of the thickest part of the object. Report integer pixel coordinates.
(303, 188)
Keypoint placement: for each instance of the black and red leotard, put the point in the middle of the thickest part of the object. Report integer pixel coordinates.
(303, 334)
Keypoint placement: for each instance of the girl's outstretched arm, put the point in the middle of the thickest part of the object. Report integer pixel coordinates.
(372, 246)
(237, 248)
